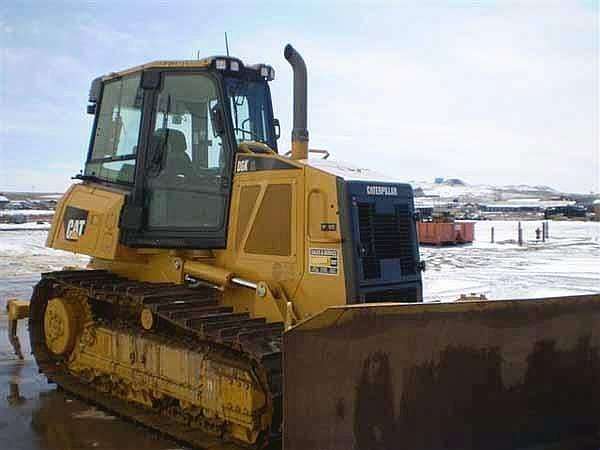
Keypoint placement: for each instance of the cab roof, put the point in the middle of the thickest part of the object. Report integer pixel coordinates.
(195, 63)
(221, 63)
(228, 61)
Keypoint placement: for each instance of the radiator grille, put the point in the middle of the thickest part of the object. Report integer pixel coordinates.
(385, 236)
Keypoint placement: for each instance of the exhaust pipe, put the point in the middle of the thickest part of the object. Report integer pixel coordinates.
(299, 132)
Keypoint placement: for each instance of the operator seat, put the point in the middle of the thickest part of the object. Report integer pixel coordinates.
(172, 197)
(176, 163)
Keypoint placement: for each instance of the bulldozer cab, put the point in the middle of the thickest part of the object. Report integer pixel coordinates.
(168, 133)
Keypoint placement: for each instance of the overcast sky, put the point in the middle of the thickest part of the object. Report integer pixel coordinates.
(491, 92)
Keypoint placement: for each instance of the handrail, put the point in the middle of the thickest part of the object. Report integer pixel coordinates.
(255, 147)
(314, 150)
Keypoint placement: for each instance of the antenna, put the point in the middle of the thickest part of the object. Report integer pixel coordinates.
(226, 44)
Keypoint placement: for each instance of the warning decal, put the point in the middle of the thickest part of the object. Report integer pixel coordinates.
(323, 261)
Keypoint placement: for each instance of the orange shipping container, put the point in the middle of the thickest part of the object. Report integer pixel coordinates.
(439, 233)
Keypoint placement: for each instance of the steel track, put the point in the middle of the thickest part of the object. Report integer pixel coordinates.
(190, 317)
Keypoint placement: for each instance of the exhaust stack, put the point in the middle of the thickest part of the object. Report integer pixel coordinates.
(299, 132)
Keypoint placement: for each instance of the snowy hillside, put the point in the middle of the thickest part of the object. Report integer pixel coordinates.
(457, 189)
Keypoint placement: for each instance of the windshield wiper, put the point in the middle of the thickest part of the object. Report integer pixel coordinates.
(159, 140)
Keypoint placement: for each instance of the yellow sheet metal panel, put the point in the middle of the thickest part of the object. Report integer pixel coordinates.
(246, 204)
(264, 244)
(323, 281)
(494, 375)
(258, 245)
(87, 221)
(271, 231)
(160, 265)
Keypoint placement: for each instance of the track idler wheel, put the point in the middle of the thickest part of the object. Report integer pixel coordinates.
(62, 325)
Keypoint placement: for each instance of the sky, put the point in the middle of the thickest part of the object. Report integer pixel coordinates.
(492, 92)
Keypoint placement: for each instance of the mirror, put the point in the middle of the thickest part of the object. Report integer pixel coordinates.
(277, 128)
(218, 123)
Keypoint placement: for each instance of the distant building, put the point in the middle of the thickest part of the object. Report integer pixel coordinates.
(566, 211)
(3, 201)
(46, 203)
(19, 204)
(526, 205)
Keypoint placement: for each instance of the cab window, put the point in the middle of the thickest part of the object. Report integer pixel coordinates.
(187, 165)
(250, 110)
(117, 131)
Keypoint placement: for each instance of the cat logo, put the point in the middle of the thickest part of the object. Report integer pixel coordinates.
(75, 229)
(74, 222)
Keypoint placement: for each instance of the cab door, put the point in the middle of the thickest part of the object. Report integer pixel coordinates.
(188, 165)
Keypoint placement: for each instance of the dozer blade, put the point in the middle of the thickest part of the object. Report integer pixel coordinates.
(509, 374)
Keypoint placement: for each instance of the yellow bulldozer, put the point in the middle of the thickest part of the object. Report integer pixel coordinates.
(238, 297)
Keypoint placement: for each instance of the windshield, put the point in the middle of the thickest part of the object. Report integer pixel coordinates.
(250, 110)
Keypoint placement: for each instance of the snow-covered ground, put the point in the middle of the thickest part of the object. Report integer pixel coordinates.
(24, 226)
(445, 191)
(480, 193)
(26, 212)
(52, 196)
(569, 263)
(23, 256)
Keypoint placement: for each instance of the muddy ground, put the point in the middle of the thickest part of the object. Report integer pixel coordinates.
(34, 415)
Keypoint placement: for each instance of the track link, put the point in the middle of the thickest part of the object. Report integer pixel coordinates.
(188, 316)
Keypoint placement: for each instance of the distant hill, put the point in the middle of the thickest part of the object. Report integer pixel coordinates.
(457, 189)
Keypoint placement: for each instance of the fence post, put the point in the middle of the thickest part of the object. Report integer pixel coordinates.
(520, 234)
(543, 231)
(492, 235)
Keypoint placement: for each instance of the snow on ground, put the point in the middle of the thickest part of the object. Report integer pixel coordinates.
(23, 256)
(52, 196)
(569, 263)
(26, 212)
(24, 226)
(481, 192)
(451, 192)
